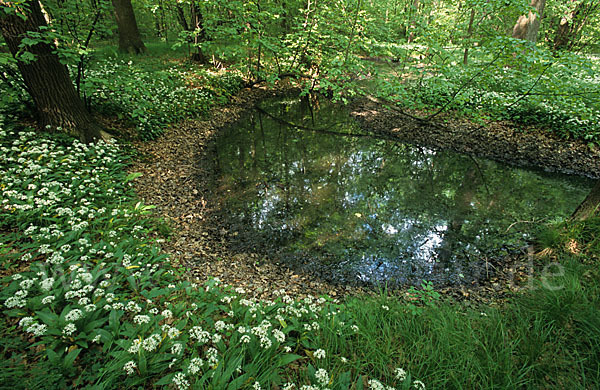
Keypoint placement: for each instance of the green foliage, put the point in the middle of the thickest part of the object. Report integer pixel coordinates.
(541, 339)
(94, 302)
(426, 296)
(532, 88)
(150, 99)
(91, 301)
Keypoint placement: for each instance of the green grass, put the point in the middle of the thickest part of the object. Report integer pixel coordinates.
(542, 339)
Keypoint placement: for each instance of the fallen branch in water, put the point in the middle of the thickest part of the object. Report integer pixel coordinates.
(320, 130)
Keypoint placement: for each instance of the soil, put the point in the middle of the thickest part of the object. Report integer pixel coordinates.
(178, 172)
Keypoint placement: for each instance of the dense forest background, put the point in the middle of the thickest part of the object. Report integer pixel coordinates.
(528, 62)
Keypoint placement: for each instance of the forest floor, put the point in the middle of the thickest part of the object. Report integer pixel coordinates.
(178, 173)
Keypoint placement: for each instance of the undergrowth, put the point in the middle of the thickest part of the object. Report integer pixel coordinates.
(150, 99)
(90, 301)
(146, 94)
(529, 86)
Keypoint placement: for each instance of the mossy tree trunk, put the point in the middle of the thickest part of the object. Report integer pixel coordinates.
(47, 80)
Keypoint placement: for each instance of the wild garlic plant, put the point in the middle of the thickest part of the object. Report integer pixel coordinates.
(150, 100)
(89, 287)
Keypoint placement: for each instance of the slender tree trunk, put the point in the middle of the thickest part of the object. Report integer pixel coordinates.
(469, 34)
(590, 206)
(130, 40)
(358, 4)
(200, 35)
(412, 25)
(47, 80)
(181, 18)
(527, 26)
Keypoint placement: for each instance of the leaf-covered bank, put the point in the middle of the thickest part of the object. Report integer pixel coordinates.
(500, 141)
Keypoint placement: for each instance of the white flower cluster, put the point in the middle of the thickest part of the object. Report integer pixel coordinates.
(31, 326)
(319, 354)
(195, 365)
(322, 376)
(75, 274)
(130, 367)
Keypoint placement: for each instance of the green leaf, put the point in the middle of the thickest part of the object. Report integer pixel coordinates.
(29, 42)
(48, 318)
(238, 382)
(133, 176)
(132, 283)
(113, 321)
(27, 57)
(359, 383)
(53, 357)
(143, 364)
(165, 380)
(287, 359)
(71, 356)
(94, 324)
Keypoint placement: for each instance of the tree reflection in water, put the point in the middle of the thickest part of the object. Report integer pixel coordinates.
(360, 208)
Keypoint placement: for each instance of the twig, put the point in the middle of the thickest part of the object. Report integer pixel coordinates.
(523, 96)
(465, 85)
(517, 222)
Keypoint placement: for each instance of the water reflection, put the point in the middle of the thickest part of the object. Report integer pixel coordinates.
(359, 208)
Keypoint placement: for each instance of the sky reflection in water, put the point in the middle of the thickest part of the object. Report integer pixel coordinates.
(354, 208)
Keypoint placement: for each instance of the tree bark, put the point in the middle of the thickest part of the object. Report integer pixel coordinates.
(527, 26)
(572, 23)
(200, 35)
(47, 80)
(196, 26)
(590, 206)
(412, 25)
(181, 17)
(469, 35)
(130, 40)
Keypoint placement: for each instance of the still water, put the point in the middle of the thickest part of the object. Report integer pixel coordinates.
(300, 181)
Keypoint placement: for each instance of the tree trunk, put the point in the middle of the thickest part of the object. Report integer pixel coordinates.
(200, 35)
(181, 17)
(469, 35)
(590, 206)
(527, 26)
(572, 23)
(412, 25)
(47, 80)
(130, 40)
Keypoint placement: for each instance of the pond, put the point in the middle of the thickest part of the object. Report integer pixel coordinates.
(299, 181)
